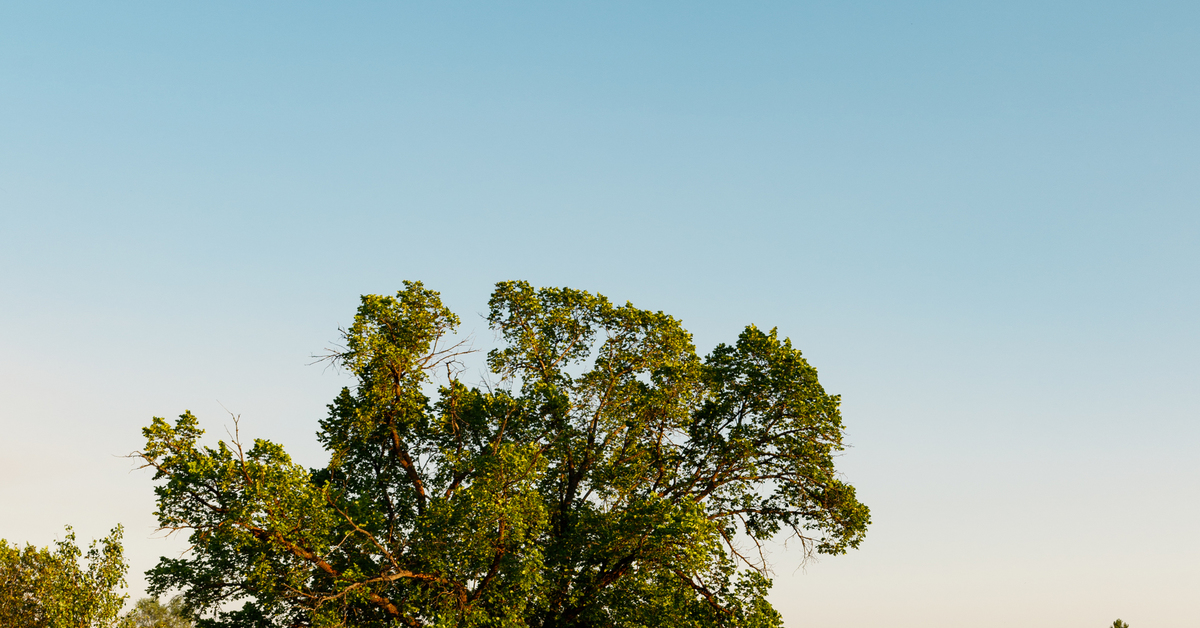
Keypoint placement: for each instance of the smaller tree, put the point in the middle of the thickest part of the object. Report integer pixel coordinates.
(48, 588)
(1120, 624)
(150, 613)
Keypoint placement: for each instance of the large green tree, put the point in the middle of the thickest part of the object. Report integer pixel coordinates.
(50, 588)
(605, 475)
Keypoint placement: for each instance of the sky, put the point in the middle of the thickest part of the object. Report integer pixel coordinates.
(979, 221)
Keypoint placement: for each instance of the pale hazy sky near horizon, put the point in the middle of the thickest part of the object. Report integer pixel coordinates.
(980, 222)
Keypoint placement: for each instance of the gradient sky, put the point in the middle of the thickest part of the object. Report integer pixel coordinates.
(981, 223)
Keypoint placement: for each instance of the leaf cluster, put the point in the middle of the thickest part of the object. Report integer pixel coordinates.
(49, 588)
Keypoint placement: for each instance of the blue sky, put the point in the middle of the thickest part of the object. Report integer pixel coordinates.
(980, 223)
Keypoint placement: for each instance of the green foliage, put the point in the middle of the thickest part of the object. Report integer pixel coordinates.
(610, 477)
(48, 588)
(1120, 624)
(150, 613)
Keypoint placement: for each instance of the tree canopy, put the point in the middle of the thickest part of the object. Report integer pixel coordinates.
(49, 588)
(604, 475)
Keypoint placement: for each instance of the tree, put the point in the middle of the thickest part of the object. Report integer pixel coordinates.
(607, 476)
(1120, 624)
(150, 613)
(45, 588)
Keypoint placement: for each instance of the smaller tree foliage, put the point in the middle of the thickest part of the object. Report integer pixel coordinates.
(48, 588)
(1119, 624)
(150, 613)
(606, 476)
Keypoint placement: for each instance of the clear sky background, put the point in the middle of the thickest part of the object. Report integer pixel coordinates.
(981, 223)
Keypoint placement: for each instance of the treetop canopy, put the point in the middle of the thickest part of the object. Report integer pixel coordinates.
(608, 476)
